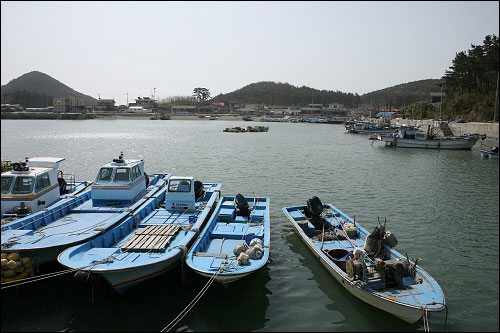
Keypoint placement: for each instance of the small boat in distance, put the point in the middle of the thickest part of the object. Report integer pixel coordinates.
(34, 184)
(235, 242)
(492, 153)
(148, 242)
(257, 128)
(121, 188)
(236, 129)
(370, 127)
(364, 263)
(413, 137)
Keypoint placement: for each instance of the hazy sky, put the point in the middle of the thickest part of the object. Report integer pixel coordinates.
(111, 48)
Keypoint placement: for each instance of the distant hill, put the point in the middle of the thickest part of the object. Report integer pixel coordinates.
(403, 94)
(285, 94)
(42, 84)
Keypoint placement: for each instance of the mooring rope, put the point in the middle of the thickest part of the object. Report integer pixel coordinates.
(193, 302)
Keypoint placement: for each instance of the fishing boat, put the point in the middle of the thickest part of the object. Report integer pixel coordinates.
(236, 129)
(364, 263)
(370, 127)
(257, 128)
(149, 242)
(235, 242)
(35, 184)
(413, 137)
(491, 153)
(121, 189)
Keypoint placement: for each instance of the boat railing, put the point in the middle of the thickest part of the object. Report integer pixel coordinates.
(70, 180)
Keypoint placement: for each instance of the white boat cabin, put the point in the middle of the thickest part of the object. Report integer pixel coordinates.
(120, 181)
(31, 186)
(180, 194)
(411, 132)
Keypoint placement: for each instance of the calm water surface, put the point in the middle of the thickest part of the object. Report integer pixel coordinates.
(443, 207)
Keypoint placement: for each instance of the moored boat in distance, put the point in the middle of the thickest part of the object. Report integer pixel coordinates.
(491, 153)
(121, 188)
(370, 127)
(364, 263)
(413, 137)
(235, 242)
(257, 128)
(150, 242)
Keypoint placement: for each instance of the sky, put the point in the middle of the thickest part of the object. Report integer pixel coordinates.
(111, 49)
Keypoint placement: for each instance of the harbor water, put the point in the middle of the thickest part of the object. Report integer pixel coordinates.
(442, 206)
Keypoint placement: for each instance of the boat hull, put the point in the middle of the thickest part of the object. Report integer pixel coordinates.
(124, 279)
(458, 144)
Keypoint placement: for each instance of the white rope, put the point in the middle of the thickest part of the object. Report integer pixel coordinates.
(193, 302)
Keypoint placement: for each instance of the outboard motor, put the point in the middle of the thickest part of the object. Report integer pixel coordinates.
(314, 208)
(62, 183)
(242, 208)
(374, 243)
(198, 189)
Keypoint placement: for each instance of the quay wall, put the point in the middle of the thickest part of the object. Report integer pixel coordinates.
(490, 129)
(45, 115)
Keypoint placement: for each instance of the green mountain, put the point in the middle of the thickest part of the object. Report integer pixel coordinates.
(36, 84)
(285, 94)
(403, 94)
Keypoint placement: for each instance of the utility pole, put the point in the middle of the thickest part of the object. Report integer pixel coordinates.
(496, 98)
(127, 98)
(441, 104)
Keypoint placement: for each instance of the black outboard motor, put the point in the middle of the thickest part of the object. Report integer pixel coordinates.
(242, 208)
(374, 244)
(314, 209)
(198, 189)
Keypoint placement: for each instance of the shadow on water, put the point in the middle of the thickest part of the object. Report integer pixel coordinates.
(359, 316)
(239, 307)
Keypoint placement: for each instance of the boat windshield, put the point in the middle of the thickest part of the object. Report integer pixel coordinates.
(105, 175)
(23, 185)
(122, 175)
(7, 183)
(179, 185)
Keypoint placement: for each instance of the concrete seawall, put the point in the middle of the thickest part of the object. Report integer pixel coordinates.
(490, 129)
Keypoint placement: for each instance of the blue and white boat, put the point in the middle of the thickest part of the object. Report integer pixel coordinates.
(34, 184)
(492, 153)
(121, 189)
(370, 127)
(235, 242)
(366, 264)
(148, 242)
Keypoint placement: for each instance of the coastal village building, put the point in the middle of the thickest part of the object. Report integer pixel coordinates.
(137, 109)
(69, 104)
(314, 109)
(336, 110)
(145, 102)
(184, 109)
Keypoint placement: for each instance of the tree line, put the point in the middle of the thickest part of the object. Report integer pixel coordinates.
(474, 71)
(27, 99)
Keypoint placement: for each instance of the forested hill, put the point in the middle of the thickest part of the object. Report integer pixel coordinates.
(39, 85)
(284, 94)
(403, 94)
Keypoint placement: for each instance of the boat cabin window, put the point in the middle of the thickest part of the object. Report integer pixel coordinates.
(179, 185)
(105, 175)
(7, 183)
(42, 182)
(136, 172)
(23, 185)
(122, 175)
